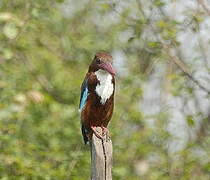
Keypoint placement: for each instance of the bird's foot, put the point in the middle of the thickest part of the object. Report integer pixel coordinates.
(97, 132)
(104, 130)
(105, 133)
(102, 133)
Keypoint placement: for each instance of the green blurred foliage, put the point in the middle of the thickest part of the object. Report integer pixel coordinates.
(43, 59)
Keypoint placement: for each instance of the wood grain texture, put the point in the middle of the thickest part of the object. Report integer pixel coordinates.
(101, 159)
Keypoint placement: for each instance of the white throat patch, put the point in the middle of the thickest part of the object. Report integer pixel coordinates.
(105, 88)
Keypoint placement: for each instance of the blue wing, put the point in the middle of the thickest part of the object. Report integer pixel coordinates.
(84, 94)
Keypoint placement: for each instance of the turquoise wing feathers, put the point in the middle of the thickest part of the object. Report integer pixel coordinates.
(84, 94)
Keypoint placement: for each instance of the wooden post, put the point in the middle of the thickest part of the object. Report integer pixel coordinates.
(101, 158)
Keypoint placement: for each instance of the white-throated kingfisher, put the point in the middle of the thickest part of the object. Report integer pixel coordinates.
(97, 96)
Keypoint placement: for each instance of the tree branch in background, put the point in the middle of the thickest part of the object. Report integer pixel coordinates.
(201, 2)
(183, 67)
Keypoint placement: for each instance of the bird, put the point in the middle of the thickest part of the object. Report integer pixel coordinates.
(97, 96)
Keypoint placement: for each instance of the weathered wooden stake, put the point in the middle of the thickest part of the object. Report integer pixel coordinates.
(101, 158)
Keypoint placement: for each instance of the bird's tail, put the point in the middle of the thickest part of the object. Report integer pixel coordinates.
(84, 134)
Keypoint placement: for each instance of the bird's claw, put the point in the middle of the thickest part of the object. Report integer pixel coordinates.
(102, 133)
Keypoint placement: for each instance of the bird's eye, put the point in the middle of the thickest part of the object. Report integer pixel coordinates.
(98, 60)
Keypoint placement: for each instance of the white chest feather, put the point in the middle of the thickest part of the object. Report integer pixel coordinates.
(105, 88)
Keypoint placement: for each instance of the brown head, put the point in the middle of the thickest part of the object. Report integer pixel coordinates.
(102, 60)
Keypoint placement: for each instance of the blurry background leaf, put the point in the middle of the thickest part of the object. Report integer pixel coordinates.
(10, 30)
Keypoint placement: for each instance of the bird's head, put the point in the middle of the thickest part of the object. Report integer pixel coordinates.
(103, 61)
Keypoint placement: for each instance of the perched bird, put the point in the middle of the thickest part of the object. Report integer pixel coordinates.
(97, 96)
